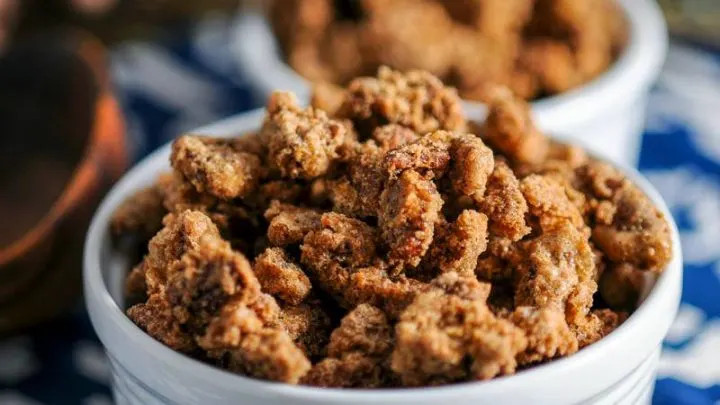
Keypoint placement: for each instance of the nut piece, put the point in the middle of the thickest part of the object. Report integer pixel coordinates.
(443, 337)
(303, 143)
(509, 128)
(357, 352)
(416, 100)
(214, 166)
(409, 209)
(504, 204)
(289, 224)
(280, 277)
(473, 162)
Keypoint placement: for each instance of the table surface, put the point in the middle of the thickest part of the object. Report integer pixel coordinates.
(172, 87)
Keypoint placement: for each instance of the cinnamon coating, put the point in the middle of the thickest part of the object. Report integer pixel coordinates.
(548, 334)
(388, 249)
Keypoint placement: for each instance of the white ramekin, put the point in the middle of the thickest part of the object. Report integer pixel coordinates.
(607, 114)
(618, 369)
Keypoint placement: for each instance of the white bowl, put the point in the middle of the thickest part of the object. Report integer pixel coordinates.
(618, 369)
(607, 114)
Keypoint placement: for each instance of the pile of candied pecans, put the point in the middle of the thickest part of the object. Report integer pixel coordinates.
(537, 48)
(378, 239)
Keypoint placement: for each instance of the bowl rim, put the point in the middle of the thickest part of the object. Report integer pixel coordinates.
(666, 287)
(639, 64)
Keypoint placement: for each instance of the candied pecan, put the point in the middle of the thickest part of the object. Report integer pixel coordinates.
(409, 209)
(269, 354)
(599, 179)
(365, 329)
(183, 232)
(302, 142)
(463, 286)
(497, 19)
(280, 277)
(214, 166)
(473, 163)
(308, 324)
(415, 99)
(135, 287)
(548, 202)
(392, 136)
(509, 128)
(156, 318)
(553, 63)
(179, 195)
(639, 234)
(480, 63)
(204, 279)
(358, 193)
(373, 285)
(342, 244)
(504, 204)
(327, 97)
(442, 337)
(289, 224)
(548, 334)
(357, 352)
(427, 155)
(621, 285)
(410, 35)
(284, 191)
(244, 344)
(457, 246)
(353, 370)
(558, 272)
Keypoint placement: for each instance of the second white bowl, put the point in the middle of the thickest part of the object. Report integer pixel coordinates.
(606, 115)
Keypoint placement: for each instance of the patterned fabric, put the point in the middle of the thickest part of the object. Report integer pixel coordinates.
(174, 87)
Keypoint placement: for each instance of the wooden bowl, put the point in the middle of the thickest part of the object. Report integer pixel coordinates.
(62, 80)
